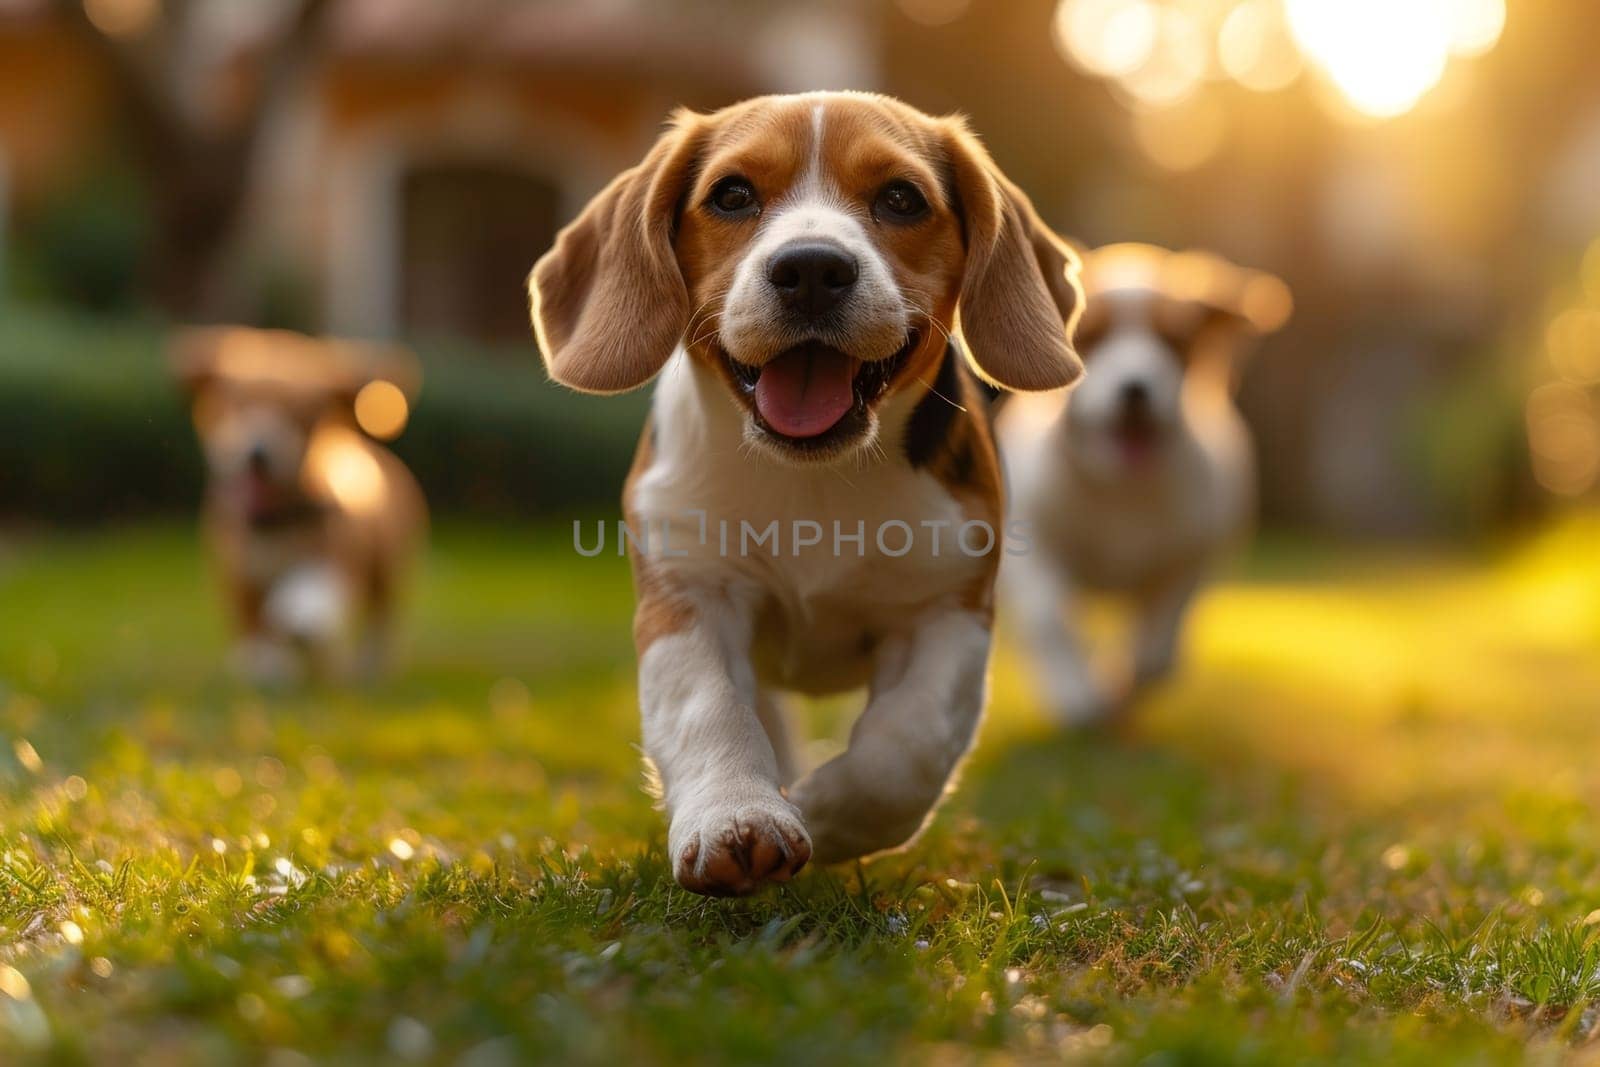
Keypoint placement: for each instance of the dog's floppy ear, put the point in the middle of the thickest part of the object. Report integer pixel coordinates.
(1215, 308)
(1020, 296)
(608, 300)
(1263, 303)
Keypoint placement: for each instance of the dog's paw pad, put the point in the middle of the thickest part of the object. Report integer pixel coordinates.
(735, 855)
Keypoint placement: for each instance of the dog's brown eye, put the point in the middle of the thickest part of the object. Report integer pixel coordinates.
(733, 196)
(902, 202)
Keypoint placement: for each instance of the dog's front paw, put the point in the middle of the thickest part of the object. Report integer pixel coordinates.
(730, 849)
(850, 815)
(1077, 700)
(1086, 710)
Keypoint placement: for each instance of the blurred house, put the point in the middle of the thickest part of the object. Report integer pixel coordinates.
(426, 152)
(430, 151)
(449, 143)
(1422, 249)
(54, 105)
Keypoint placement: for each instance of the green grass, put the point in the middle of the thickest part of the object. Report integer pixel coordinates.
(1361, 827)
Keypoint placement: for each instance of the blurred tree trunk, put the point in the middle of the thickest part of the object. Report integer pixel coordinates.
(194, 134)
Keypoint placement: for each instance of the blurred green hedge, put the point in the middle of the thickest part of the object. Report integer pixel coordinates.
(93, 427)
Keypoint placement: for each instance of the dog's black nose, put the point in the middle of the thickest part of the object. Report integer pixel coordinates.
(812, 278)
(258, 459)
(1135, 396)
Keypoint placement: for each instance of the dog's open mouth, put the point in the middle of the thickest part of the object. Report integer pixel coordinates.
(813, 395)
(1137, 434)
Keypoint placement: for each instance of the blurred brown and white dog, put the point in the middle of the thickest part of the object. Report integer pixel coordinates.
(792, 267)
(1135, 483)
(311, 522)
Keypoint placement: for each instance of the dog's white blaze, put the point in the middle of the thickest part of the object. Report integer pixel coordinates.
(814, 171)
(871, 325)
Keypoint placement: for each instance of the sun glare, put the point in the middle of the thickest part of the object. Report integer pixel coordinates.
(1382, 56)
(1476, 25)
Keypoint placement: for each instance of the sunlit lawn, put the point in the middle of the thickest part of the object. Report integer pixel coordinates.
(1363, 826)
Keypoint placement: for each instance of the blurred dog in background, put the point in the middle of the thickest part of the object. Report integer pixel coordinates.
(311, 522)
(1136, 481)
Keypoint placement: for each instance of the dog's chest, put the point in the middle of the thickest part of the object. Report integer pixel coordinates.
(261, 556)
(1132, 532)
(827, 561)
(1147, 531)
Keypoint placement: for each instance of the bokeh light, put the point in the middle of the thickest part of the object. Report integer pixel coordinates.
(381, 409)
(1382, 56)
(1176, 65)
(1564, 438)
(934, 12)
(1181, 138)
(1254, 47)
(1108, 37)
(1591, 273)
(1563, 415)
(345, 467)
(1475, 25)
(1574, 343)
(121, 18)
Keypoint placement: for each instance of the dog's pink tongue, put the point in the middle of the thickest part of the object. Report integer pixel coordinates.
(803, 393)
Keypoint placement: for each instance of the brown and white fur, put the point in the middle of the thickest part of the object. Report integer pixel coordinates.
(793, 267)
(1135, 483)
(311, 523)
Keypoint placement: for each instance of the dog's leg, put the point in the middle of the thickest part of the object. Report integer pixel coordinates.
(927, 696)
(1160, 623)
(377, 611)
(260, 656)
(730, 829)
(775, 721)
(1043, 603)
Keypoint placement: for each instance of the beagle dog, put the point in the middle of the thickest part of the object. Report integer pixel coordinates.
(815, 505)
(1135, 483)
(310, 521)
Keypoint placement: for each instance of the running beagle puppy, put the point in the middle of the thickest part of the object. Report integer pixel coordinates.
(312, 523)
(1137, 482)
(815, 505)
